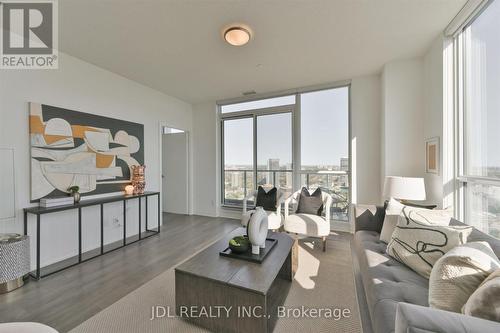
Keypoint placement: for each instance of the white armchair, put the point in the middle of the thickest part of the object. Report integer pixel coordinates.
(275, 219)
(308, 224)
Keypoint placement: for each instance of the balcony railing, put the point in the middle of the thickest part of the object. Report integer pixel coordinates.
(239, 182)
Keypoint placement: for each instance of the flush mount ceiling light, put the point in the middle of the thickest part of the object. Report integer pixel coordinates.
(237, 35)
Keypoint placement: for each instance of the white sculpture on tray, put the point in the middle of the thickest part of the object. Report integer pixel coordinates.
(257, 230)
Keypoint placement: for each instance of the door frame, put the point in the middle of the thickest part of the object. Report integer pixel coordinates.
(189, 182)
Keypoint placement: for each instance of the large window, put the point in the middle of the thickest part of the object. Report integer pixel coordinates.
(478, 58)
(238, 159)
(324, 142)
(259, 146)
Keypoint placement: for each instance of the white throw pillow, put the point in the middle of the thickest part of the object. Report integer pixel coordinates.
(419, 245)
(392, 212)
(457, 274)
(485, 301)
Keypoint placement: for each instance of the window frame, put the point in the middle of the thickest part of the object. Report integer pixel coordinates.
(462, 177)
(296, 132)
(250, 114)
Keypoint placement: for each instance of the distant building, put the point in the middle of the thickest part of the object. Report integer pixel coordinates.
(344, 164)
(273, 164)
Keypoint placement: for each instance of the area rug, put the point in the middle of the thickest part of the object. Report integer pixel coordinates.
(324, 280)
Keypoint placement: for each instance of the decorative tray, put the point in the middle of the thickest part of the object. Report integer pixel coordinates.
(248, 256)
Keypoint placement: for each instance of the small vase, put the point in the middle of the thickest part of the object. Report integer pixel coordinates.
(257, 230)
(76, 197)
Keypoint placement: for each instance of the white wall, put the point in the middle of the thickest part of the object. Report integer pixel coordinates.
(175, 180)
(433, 115)
(365, 139)
(205, 160)
(412, 111)
(80, 86)
(403, 118)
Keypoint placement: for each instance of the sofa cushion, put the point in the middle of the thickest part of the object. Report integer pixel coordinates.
(459, 273)
(307, 224)
(478, 236)
(386, 281)
(368, 217)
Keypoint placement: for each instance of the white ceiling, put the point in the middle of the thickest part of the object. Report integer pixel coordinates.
(175, 46)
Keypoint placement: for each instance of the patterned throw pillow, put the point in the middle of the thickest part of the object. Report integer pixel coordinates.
(419, 245)
(422, 215)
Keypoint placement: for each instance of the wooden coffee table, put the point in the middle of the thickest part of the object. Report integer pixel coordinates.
(230, 295)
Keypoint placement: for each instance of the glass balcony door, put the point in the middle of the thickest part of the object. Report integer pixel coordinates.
(257, 151)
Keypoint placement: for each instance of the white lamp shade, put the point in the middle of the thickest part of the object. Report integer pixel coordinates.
(404, 188)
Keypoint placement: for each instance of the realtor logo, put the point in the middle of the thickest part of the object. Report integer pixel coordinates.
(29, 34)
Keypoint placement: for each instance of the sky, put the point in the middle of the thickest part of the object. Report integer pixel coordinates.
(324, 132)
(484, 89)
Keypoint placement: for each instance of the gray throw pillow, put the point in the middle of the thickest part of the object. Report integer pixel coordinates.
(459, 273)
(310, 203)
(485, 301)
(419, 245)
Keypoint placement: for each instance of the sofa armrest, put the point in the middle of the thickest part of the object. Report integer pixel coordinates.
(416, 318)
(368, 217)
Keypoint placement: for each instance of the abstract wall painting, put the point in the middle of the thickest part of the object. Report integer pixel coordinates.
(74, 148)
(432, 155)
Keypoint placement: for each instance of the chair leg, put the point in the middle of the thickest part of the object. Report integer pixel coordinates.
(324, 243)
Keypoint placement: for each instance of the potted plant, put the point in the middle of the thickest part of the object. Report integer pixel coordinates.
(73, 190)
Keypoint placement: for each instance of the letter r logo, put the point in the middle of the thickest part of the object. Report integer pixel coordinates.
(27, 27)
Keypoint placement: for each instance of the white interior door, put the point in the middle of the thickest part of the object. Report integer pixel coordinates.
(175, 173)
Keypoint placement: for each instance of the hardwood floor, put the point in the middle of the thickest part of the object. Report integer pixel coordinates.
(66, 299)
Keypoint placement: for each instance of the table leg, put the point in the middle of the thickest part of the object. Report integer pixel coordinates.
(102, 228)
(38, 246)
(159, 209)
(25, 223)
(124, 222)
(140, 217)
(146, 213)
(79, 234)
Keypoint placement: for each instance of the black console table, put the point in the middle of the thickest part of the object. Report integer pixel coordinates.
(38, 211)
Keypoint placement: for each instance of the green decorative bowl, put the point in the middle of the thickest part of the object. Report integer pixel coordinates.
(239, 244)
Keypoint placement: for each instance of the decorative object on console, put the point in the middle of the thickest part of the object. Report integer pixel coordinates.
(485, 301)
(129, 189)
(14, 261)
(73, 190)
(459, 273)
(75, 148)
(432, 155)
(54, 202)
(419, 245)
(239, 244)
(257, 230)
(138, 179)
